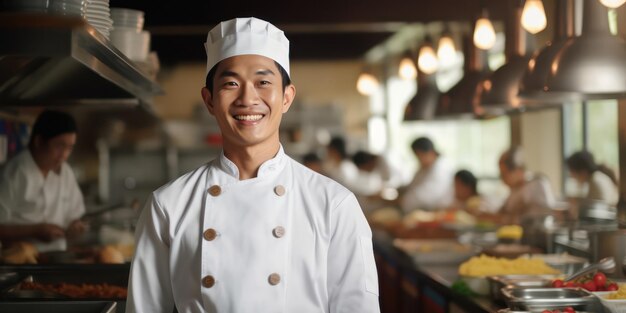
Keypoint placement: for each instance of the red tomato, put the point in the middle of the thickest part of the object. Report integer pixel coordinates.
(589, 285)
(546, 311)
(557, 283)
(556, 311)
(569, 284)
(612, 287)
(599, 279)
(569, 309)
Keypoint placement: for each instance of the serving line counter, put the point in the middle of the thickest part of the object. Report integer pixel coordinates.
(406, 287)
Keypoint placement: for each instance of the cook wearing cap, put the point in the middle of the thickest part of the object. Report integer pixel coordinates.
(40, 200)
(252, 230)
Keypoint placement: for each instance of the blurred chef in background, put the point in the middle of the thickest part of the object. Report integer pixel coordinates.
(40, 200)
(431, 188)
(598, 180)
(530, 193)
(338, 164)
(313, 161)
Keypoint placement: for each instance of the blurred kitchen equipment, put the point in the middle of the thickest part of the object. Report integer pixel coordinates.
(128, 34)
(610, 244)
(59, 306)
(595, 211)
(565, 263)
(606, 265)
(496, 283)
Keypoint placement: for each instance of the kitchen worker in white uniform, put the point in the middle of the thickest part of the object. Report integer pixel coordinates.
(40, 200)
(432, 187)
(530, 194)
(252, 230)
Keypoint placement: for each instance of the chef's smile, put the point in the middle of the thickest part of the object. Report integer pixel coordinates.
(248, 119)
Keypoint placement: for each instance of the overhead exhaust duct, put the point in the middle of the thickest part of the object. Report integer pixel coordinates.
(422, 106)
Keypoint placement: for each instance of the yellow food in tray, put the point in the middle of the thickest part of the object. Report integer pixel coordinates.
(489, 266)
(510, 232)
(620, 294)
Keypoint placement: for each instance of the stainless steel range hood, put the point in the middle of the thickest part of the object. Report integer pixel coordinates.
(48, 60)
(422, 106)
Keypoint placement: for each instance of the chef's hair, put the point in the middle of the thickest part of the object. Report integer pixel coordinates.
(468, 179)
(50, 124)
(339, 144)
(286, 81)
(513, 158)
(423, 144)
(583, 161)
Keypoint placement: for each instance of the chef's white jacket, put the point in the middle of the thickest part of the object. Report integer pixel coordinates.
(431, 189)
(27, 197)
(289, 240)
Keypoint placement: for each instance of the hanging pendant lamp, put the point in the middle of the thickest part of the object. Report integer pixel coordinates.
(499, 94)
(592, 65)
(460, 101)
(532, 88)
(422, 106)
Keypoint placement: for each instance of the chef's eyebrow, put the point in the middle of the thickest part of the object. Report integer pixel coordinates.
(228, 73)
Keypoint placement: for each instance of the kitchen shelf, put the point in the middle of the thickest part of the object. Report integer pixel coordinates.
(49, 60)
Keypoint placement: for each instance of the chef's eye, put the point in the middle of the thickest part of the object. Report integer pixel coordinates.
(265, 82)
(230, 84)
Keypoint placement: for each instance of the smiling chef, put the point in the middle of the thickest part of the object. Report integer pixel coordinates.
(252, 230)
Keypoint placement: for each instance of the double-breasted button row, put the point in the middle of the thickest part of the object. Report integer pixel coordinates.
(209, 281)
(216, 190)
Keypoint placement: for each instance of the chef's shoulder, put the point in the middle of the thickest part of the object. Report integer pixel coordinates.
(186, 184)
(317, 185)
(15, 169)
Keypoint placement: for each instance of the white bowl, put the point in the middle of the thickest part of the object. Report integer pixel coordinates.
(614, 306)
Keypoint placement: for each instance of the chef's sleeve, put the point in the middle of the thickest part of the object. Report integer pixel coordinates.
(149, 286)
(76, 207)
(352, 277)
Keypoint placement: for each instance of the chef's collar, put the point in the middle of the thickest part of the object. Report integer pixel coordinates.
(268, 167)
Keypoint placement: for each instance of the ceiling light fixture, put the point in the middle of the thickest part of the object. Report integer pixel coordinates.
(367, 83)
(612, 3)
(407, 69)
(446, 51)
(534, 16)
(484, 34)
(427, 60)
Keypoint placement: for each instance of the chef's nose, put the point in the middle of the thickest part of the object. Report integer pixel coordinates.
(249, 95)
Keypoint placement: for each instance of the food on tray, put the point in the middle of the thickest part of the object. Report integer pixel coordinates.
(490, 266)
(78, 290)
(591, 282)
(110, 255)
(510, 232)
(20, 253)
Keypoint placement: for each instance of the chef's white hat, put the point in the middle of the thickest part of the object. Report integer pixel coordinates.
(241, 36)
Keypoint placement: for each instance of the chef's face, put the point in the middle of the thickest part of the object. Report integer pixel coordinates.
(55, 150)
(248, 100)
(462, 191)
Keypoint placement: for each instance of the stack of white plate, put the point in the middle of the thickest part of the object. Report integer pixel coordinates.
(127, 19)
(128, 34)
(98, 14)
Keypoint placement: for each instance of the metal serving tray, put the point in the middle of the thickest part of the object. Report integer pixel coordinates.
(496, 283)
(549, 298)
(59, 307)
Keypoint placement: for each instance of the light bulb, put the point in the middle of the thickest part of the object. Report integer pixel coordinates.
(407, 69)
(366, 84)
(484, 35)
(612, 3)
(446, 52)
(427, 60)
(534, 16)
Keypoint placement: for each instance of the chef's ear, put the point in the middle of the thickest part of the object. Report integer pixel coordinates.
(208, 99)
(290, 94)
